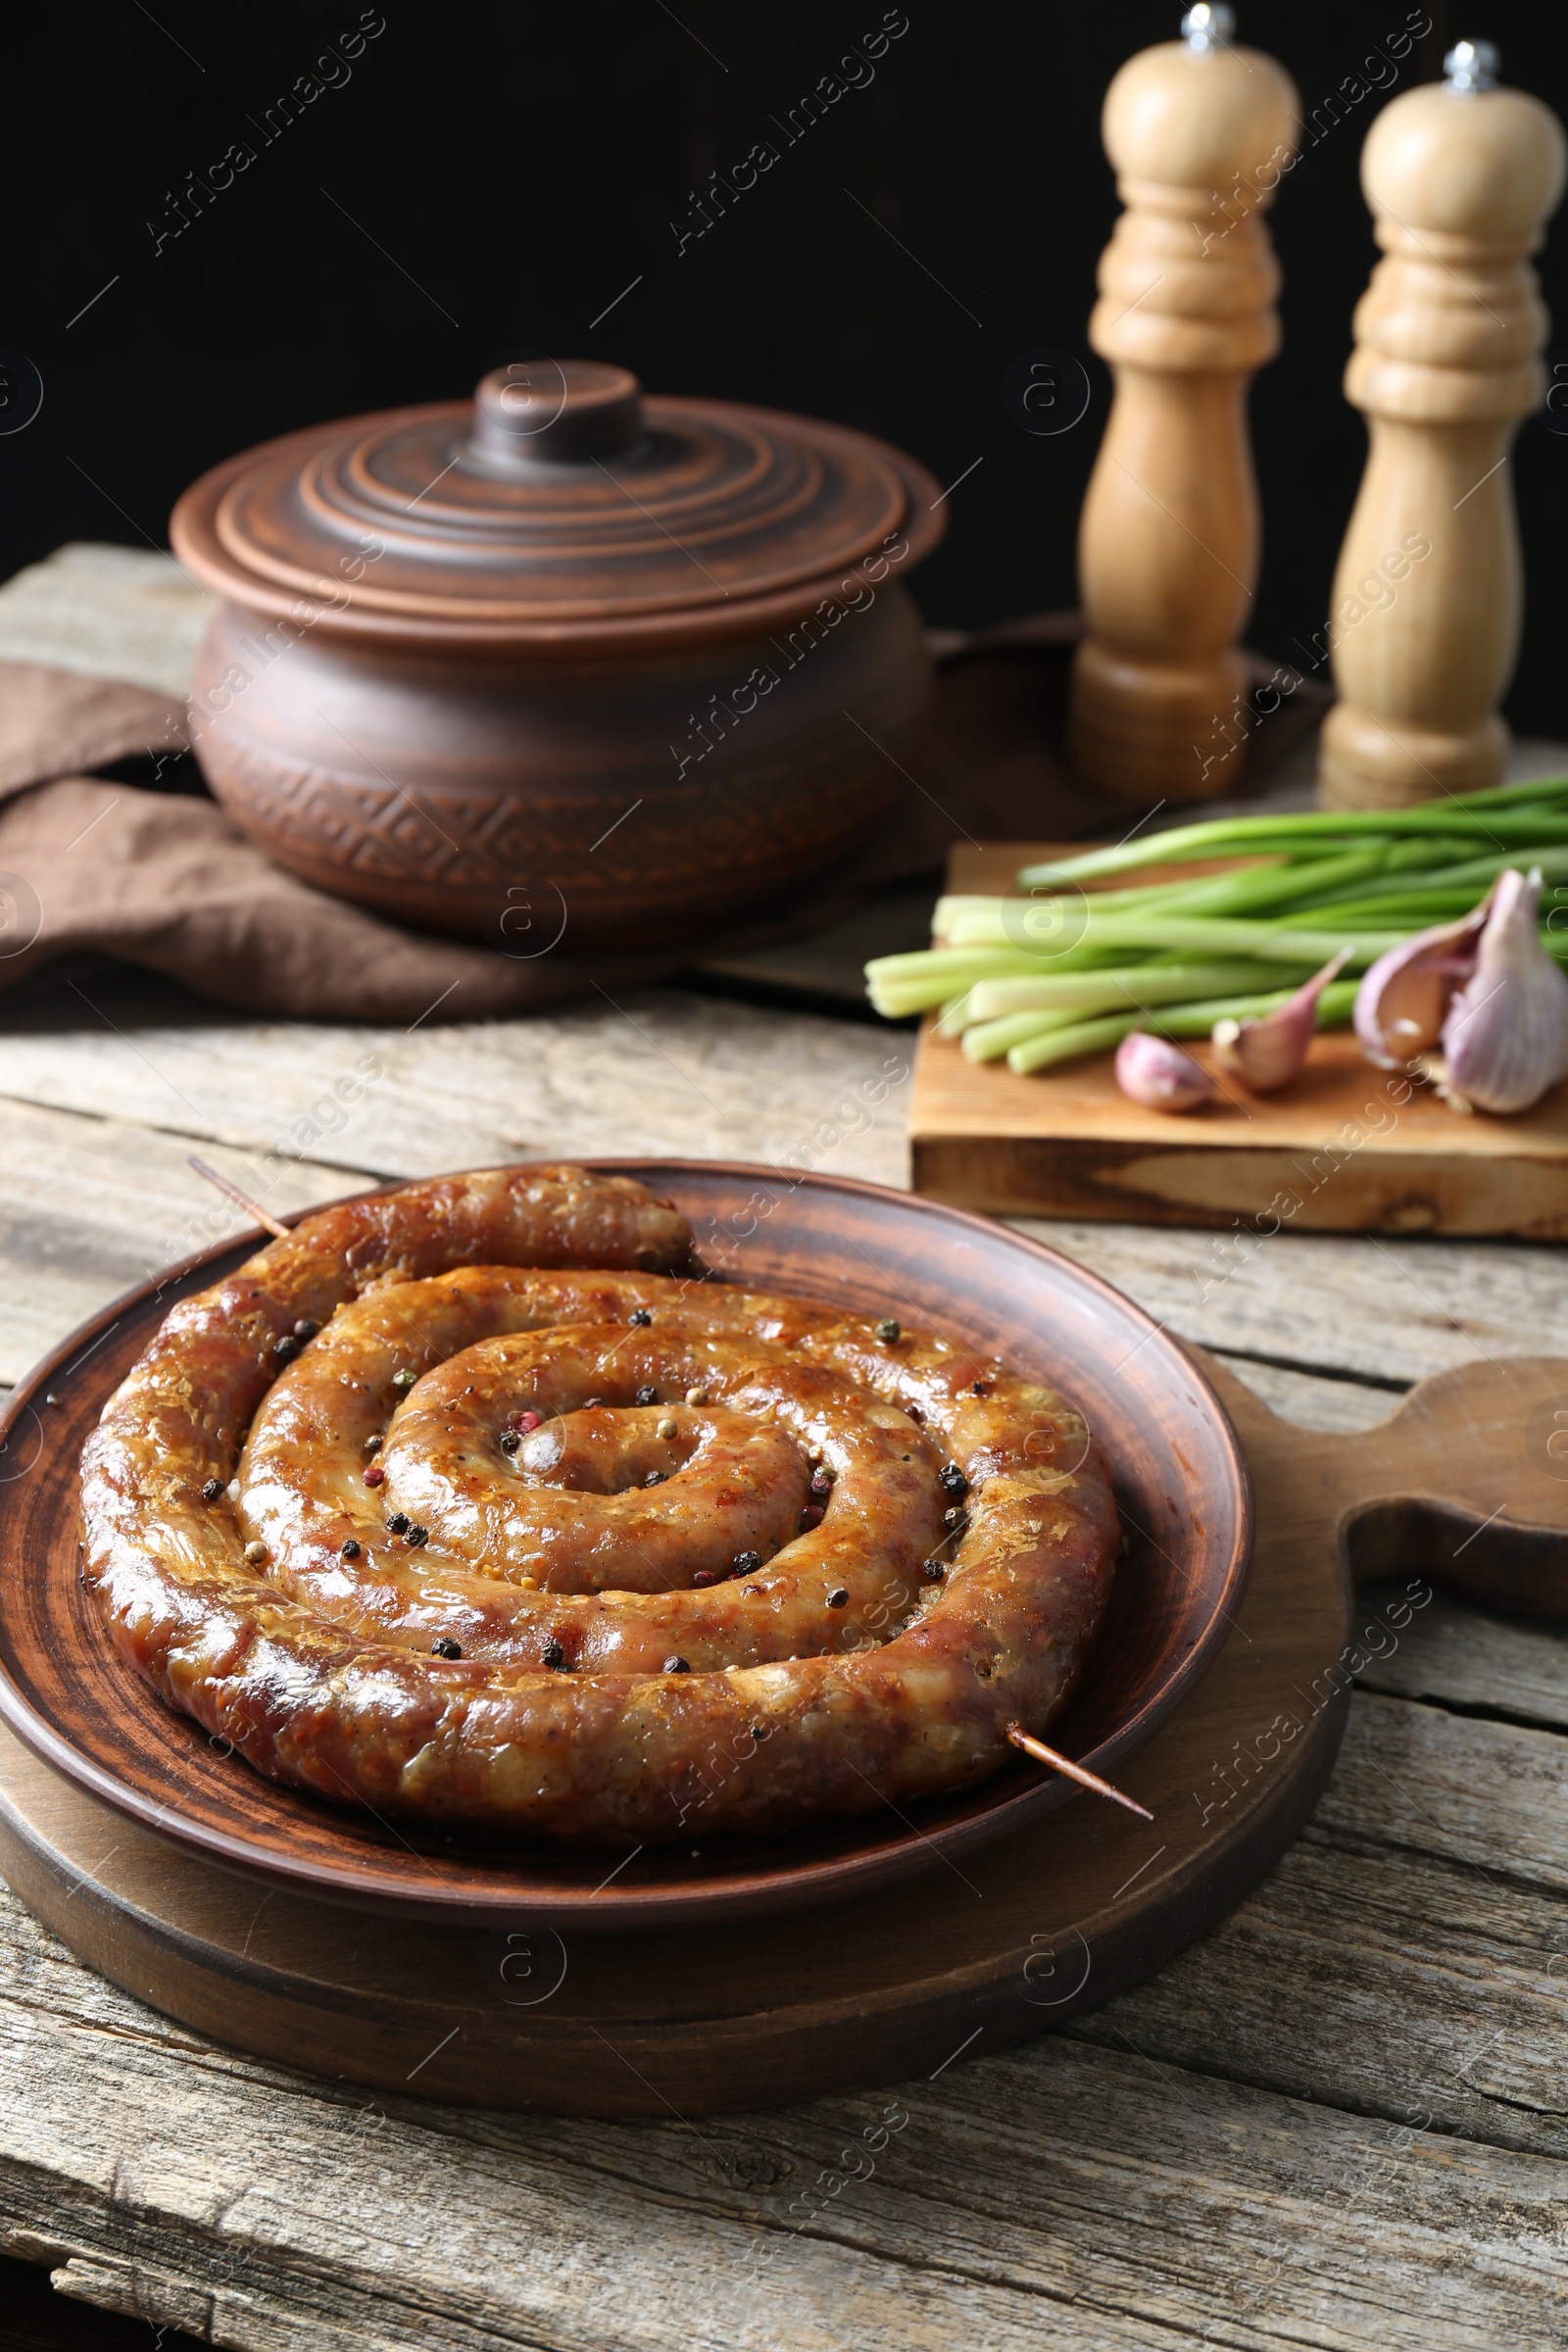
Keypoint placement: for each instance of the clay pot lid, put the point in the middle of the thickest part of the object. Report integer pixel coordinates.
(560, 505)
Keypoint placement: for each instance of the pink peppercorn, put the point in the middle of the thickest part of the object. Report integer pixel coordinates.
(524, 1420)
(374, 1475)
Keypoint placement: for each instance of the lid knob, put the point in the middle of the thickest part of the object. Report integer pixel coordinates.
(554, 412)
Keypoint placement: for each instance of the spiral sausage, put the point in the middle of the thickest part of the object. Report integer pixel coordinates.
(418, 1514)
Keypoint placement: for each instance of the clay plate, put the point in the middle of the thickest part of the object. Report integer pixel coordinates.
(1181, 1480)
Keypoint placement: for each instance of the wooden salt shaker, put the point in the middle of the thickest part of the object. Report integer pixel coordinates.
(1428, 594)
(1200, 134)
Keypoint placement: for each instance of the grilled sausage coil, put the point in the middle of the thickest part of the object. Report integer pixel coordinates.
(476, 1501)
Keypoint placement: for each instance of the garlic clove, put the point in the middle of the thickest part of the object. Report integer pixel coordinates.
(1401, 1003)
(1268, 1052)
(1152, 1071)
(1506, 1036)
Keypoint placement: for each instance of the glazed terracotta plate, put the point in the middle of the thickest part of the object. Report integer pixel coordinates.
(1181, 1481)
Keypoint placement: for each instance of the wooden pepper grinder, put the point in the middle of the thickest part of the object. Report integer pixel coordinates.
(1427, 597)
(1200, 134)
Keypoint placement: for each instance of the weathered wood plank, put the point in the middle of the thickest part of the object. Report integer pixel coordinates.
(87, 1203)
(1409, 1958)
(662, 1072)
(1407, 1964)
(1514, 1669)
(90, 1198)
(37, 2320)
(1310, 1399)
(1383, 1310)
(91, 1205)
(684, 1074)
(1158, 2203)
(1386, 1985)
(115, 611)
(1491, 1795)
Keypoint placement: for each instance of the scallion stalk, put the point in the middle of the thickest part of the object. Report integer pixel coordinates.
(1334, 1008)
(1130, 985)
(1064, 971)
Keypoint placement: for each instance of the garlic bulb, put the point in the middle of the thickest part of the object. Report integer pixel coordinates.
(1505, 1037)
(1486, 992)
(1267, 1052)
(1159, 1075)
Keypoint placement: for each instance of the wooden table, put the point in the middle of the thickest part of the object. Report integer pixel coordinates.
(1340, 2120)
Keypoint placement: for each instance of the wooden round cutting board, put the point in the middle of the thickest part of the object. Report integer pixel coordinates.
(1467, 1486)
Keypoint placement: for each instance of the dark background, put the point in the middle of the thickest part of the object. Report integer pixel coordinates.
(509, 168)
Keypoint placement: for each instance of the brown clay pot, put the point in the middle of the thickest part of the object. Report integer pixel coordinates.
(565, 660)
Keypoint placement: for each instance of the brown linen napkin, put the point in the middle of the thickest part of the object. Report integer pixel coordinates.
(56, 722)
(163, 878)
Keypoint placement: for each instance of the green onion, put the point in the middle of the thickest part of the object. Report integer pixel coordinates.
(1131, 986)
(1062, 971)
(1512, 814)
(1334, 1008)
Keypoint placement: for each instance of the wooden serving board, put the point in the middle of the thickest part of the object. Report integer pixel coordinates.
(1464, 1486)
(1347, 1149)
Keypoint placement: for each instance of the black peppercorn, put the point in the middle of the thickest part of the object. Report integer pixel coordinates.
(418, 1536)
(648, 1393)
(397, 1524)
(933, 1571)
(510, 1440)
(285, 1348)
(954, 1518)
(350, 1549)
(212, 1488)
(444, 1648)
(746, 1563)
(953, 1480)
(640, 1318)
(838, 1598)
(304, 1329)
(676, 1666)
(555, 1658)
(655, 1478)
(887, 1328)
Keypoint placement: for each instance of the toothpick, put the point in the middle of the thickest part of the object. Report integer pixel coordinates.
(1043, 1755)
(254, 1207)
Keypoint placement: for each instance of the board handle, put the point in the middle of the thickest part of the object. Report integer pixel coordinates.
(1466, 1482)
